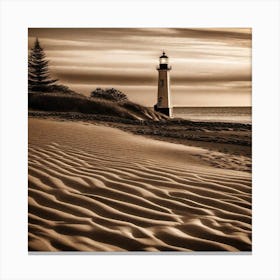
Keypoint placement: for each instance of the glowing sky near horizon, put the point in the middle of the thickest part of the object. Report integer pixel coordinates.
(210, 66)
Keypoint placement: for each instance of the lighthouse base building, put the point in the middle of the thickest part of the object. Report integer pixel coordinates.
(164, 99)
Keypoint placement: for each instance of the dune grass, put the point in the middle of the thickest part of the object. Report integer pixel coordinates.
(89, 105)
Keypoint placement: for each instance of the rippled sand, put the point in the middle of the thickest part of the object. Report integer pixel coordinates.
(96, 188)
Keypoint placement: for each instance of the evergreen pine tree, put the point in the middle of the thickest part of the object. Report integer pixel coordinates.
(39, 79)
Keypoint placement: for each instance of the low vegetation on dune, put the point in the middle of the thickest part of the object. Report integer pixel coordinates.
(61, 102)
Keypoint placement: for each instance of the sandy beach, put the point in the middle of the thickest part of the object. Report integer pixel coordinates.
(98, 188)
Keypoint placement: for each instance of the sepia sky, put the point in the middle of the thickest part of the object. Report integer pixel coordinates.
(210, 66)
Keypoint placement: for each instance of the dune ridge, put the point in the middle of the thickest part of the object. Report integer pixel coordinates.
(96, 188)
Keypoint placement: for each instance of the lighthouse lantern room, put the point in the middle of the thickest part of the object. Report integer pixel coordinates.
(164, 102)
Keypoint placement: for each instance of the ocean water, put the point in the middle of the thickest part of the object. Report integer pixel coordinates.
(215, 114)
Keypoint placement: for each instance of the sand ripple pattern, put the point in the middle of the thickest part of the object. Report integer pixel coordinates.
(99, 189)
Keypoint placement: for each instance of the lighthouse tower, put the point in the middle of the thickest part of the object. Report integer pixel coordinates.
(163, 102)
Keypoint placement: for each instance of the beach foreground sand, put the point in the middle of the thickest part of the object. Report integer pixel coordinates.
(97, 188)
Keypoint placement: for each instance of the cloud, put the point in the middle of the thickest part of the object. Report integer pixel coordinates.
(132, 76)
(108, 77)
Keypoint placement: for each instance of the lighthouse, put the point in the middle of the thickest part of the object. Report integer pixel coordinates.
(164, 102)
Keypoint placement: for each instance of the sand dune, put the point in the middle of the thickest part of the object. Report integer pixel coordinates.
(96, 188)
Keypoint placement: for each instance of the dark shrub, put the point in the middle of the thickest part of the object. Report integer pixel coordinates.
(109, 94)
